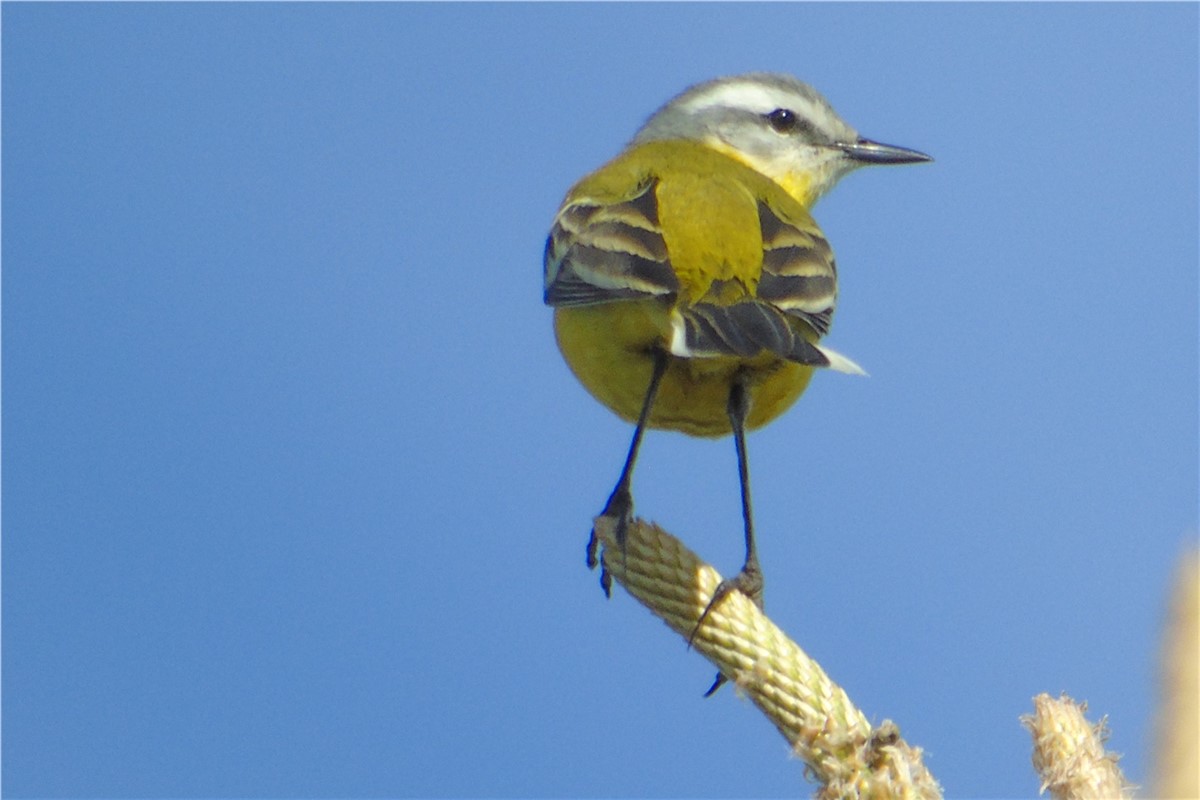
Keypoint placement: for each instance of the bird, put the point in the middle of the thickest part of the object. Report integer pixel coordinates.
(690, 285)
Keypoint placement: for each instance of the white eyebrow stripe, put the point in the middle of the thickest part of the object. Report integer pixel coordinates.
(753, 96)
(761, 100)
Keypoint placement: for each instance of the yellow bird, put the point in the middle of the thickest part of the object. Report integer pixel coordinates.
(690, 285)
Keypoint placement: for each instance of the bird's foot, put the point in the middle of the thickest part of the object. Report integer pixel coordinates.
(750, 583)
(618, 509)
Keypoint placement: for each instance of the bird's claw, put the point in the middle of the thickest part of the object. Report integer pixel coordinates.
(619, 510)
(750, 583)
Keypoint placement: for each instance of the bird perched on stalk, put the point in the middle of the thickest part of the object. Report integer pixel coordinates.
(691, 287)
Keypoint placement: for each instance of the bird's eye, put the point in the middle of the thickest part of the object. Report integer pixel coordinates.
(783, 120)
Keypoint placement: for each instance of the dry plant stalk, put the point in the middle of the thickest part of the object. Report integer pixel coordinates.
(1177, 746)
(842, 751)
(1068, 752)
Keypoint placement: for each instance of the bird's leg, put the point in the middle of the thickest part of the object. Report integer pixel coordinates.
(749, 581)
(619, 507)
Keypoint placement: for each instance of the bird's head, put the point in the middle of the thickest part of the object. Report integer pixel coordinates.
(775, 124)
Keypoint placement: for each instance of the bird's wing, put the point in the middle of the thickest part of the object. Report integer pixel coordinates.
(746, 329)
(787, 311)
(799, 275)
(606, 247)
(599, 251)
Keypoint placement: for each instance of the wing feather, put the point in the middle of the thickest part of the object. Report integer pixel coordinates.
(799, 275)
(600, 252)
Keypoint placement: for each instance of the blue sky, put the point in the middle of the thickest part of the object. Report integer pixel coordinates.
(296, 486)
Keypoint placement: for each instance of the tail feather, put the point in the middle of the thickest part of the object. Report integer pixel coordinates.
(746, 329)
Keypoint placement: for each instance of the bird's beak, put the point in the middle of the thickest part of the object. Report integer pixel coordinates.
(867, 152)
